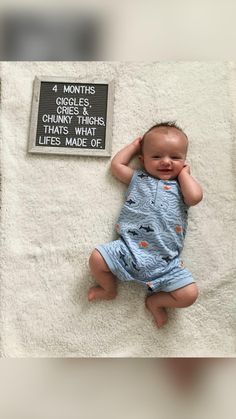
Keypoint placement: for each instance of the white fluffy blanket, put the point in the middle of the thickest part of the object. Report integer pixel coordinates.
(55, 209)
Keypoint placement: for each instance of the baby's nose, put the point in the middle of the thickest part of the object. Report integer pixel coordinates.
(165, 161)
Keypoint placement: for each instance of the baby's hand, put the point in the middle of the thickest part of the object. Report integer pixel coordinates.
(137, 144)
(186, 169)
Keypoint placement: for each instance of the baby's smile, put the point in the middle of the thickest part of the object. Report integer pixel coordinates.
(164, 173)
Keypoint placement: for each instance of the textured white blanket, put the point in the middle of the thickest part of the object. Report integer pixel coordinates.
(55, 209)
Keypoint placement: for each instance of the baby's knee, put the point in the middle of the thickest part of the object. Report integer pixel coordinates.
(192, 294)
(94, 258)
(96, 261)
(186, 296)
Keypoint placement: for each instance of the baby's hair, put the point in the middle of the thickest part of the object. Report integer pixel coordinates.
(164, 124)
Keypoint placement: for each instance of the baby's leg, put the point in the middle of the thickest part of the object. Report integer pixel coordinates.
(183, 297)
(107, 284)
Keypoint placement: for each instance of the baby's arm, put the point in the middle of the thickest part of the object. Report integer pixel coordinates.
(119, 163)
(191, 190)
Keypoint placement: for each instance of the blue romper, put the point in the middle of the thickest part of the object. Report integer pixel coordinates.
(152, 226)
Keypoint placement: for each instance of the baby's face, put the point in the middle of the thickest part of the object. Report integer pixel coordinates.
(164, 153)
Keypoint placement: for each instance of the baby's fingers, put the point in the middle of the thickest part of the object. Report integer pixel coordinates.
(187, 167)
(137, 142)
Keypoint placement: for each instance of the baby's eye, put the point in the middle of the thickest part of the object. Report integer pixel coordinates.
(176, 158)
(156, 157)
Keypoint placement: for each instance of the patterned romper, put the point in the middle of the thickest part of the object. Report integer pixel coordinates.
(152, 226)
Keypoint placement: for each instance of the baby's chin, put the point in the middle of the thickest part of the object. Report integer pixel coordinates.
(164, 176)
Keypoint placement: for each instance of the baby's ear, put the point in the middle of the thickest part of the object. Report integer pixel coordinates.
(141, 159)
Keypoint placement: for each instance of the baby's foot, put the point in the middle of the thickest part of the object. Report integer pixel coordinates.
(98, 292)
(159, 313)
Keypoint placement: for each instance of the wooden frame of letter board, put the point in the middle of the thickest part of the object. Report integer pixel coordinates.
(32, 148)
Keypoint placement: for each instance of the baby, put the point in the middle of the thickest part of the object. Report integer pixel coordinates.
(152, 223)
